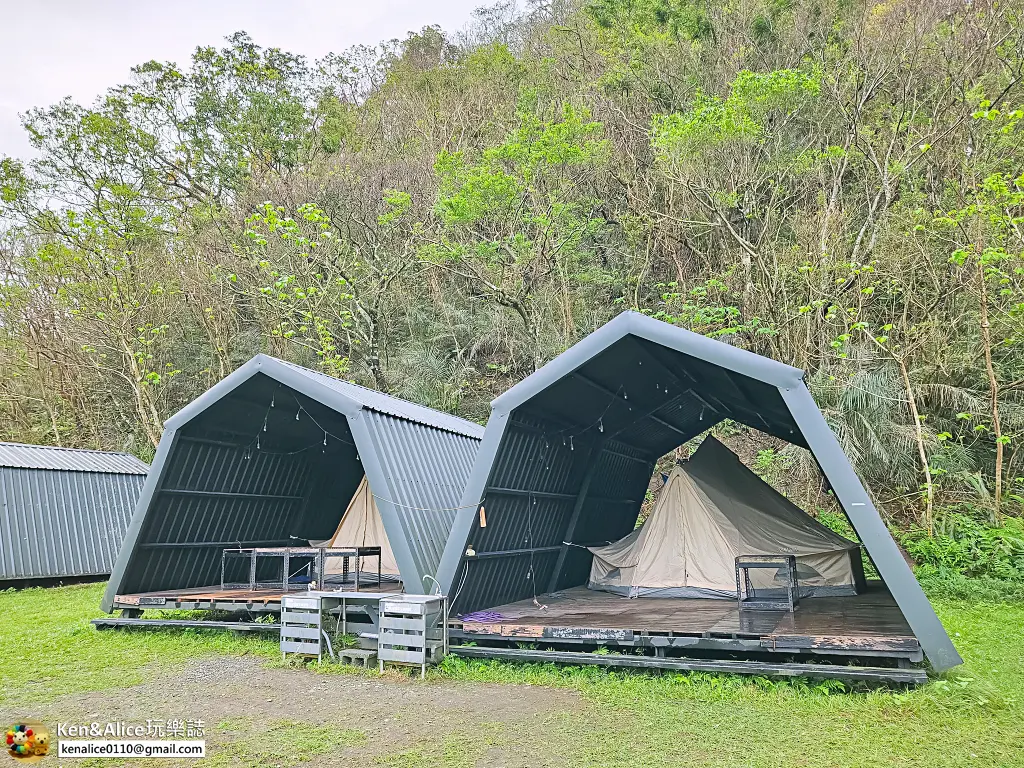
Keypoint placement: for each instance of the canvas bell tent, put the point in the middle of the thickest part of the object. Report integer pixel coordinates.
(565, 463)
(711, 510)
(361, 526)
(63, 511)
(273, 456)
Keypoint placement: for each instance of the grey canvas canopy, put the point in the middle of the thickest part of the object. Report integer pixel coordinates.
(712, 510)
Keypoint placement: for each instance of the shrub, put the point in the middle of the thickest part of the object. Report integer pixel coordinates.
(963, 544)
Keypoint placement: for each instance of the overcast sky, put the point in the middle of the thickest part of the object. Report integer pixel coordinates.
(50, 49)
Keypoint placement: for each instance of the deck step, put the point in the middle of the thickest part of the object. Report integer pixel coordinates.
(237, 626)
(830, 671)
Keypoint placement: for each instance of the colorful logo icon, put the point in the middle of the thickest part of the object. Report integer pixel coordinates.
(27, 741)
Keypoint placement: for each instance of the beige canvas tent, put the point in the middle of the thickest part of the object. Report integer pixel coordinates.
(711, 510)
(361, 526)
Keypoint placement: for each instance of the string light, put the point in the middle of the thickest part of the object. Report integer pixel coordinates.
(599, 422)
(247, 448)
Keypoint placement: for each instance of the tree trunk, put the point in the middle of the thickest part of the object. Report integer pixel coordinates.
(993, 386)
(921, 452)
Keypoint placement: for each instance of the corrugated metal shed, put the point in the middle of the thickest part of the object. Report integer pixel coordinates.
(271, 455)
(568, 454)
(22, 456)
(64, 511)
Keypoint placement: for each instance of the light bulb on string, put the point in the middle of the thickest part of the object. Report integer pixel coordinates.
(297, 414)
(600, 425)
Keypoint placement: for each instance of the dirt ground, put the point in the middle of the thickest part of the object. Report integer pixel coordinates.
(261, 716)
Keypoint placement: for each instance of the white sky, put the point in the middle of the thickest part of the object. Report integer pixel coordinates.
(50, 49)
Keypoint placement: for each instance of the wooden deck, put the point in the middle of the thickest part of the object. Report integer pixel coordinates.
(215, 598)
(868, 624)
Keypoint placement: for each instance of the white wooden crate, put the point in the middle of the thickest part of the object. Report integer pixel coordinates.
(301, 626)
(409, 631)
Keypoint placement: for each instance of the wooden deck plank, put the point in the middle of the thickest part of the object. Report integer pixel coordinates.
(216, 594)
(868, 620)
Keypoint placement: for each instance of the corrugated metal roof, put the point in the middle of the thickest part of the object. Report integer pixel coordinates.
(23, 456)
(63, 523)
(393, 406)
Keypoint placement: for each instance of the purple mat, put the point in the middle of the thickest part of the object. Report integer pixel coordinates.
(481, 617)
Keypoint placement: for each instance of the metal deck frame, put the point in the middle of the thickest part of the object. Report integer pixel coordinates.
(885, 675)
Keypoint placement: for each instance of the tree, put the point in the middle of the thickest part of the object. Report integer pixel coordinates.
(521, 214)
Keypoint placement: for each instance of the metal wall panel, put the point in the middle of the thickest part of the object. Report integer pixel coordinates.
(201, 525)
(529, 502)
(427, 470)
(60, 523)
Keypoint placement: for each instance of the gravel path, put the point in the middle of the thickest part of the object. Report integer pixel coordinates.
(396, 720)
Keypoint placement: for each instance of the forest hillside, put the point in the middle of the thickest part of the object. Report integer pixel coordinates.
(836, 184)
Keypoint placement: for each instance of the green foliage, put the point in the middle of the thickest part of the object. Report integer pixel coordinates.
(708, 309)
(686, 19)
(962, 544)
(835, 186)
(520, 211)
(713, 123)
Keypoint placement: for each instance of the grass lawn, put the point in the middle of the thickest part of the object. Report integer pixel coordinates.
(973, 716)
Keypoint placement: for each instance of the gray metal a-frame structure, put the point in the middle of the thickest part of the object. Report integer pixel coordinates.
(271, 455)
(569, 451)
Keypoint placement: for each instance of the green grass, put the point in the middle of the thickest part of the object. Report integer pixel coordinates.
(49, 648)
(254, 744)
(973, 716)
(460, 750)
